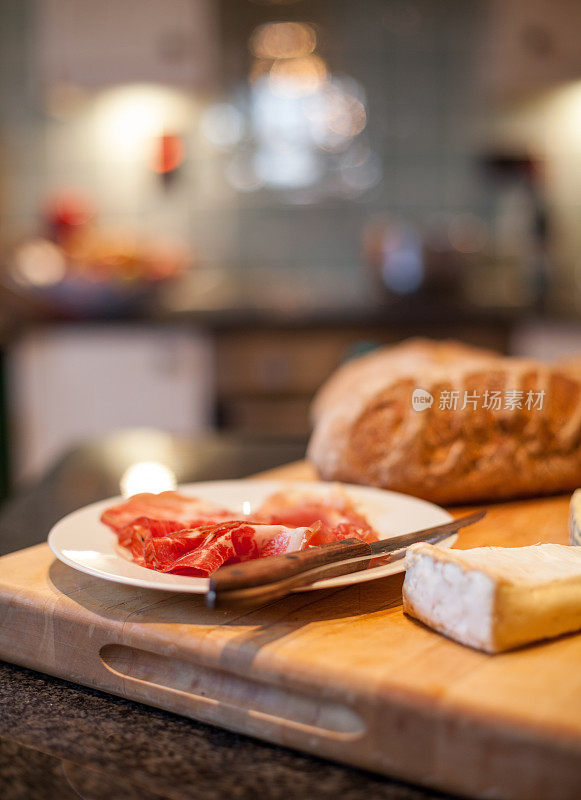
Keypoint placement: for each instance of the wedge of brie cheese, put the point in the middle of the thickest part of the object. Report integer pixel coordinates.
(495, 598)
(575, 518)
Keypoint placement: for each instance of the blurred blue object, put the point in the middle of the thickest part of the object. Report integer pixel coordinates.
(402, 266)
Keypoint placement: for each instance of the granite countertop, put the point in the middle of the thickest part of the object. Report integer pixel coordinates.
(60, 740)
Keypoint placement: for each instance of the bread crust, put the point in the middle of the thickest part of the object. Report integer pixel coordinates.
(366, 430)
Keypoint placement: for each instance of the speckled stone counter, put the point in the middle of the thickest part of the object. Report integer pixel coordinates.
(59, 740)
(56, 737)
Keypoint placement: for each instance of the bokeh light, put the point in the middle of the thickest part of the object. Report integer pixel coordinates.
(276, 40)
(296, 77)
(147, 476)
(336, 116)
(38, 262)
(287, 167)
(298, 125)
(127, 120)
(222, 125)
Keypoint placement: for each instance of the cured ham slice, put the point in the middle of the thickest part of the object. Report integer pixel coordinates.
(170, 506)
(144, 528)
(171, 532)
(203, 550)
(336, 513)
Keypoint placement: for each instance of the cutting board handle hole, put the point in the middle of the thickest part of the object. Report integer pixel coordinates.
(198, 686)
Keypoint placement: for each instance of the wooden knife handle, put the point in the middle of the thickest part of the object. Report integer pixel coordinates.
(262, 573)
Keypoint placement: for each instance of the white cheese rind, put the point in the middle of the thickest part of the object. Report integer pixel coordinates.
(455, 601)
(495, 598)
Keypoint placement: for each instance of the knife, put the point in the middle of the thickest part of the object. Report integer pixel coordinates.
(265, 579)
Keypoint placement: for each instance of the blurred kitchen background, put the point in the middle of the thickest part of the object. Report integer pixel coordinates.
(206, 205)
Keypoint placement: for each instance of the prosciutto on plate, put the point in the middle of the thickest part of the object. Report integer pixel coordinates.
(144, 528)
(337, 516)
(201, 551)
(170, 507)
(171, 532)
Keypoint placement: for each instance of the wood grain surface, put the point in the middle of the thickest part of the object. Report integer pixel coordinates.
(341, 673)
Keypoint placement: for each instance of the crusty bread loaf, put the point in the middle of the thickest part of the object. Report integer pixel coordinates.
(367, 431)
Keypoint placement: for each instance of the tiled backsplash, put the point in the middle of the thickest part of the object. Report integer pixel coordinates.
(416, 62)
(416, 81)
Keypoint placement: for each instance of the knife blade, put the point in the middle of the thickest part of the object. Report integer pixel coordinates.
(266, 579)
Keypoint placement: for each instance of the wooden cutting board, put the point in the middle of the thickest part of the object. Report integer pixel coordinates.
(338, 673)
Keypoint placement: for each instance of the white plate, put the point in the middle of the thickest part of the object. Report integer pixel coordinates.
(84, 543)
